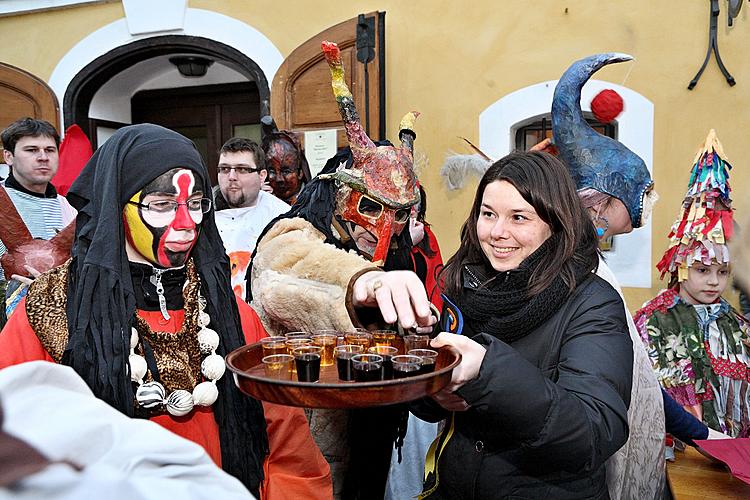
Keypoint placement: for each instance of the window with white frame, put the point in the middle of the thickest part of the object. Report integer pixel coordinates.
(499, 124)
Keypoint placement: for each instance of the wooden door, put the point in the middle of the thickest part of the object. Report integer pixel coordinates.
(22, 94)
(208, 115)
(301, 95)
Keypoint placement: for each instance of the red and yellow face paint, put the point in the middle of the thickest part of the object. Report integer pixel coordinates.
(164, 237)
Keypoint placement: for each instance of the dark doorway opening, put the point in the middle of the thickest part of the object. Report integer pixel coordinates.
(251, 106)
(209, 115)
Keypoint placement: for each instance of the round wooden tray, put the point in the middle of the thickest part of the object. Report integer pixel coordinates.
(330, 392)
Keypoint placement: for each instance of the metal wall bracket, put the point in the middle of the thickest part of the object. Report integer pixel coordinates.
(713, 45)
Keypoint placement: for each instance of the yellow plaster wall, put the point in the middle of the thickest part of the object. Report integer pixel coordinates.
(450, 60)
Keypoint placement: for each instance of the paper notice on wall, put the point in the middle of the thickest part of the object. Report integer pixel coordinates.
(320, 146)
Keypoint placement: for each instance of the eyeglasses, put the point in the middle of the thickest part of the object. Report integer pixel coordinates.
(224, 170)
(372, 209)
(162, 211)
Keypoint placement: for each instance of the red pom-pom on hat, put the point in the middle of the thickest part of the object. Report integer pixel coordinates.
(607, 105)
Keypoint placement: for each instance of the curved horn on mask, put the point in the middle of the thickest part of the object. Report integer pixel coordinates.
(594, 160)
(567, 117)
(358, 139)
(406, 131)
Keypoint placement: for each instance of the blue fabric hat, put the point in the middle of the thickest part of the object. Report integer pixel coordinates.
(596, 161)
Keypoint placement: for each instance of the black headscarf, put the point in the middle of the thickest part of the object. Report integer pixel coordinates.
(101, 302)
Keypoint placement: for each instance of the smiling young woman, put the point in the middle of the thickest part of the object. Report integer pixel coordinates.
(540, 397)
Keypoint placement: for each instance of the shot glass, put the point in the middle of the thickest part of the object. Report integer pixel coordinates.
(387, 352)
(307, 360)
(383, 337)
(429, 357)
(406, 365)
(343, 354)
(278, 366)
(367, 367)
(273, 345)
(327, 341)
(416, 342)
(295, 342)
(358, 338)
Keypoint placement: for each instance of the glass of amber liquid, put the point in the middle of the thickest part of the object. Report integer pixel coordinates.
(327, 341)
(383, 337)
(358, 338)
(278, 366)
(273, 345)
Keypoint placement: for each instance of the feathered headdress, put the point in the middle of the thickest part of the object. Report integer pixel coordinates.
(704, 226)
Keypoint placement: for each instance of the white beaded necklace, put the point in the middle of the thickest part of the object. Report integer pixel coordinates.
(152, 395)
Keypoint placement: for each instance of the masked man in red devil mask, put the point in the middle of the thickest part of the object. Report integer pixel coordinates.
(338, 261)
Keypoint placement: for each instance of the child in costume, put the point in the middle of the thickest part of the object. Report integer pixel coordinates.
(695, 338)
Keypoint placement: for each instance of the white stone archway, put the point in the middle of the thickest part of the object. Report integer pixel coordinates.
(195, 22)
(631, 258)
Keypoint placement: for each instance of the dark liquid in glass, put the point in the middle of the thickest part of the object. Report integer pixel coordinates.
(428, 366)
(308, 367)
(387, 368)
(367, 375)
(346, 371)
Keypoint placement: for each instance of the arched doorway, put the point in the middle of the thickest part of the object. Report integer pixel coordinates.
(249, 100)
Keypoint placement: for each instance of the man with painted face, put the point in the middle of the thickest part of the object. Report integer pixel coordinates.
(288, 170)
(144, 313)
(337, 260)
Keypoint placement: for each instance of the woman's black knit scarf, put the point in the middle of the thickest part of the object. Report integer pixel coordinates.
(101, 302)
(497, 303)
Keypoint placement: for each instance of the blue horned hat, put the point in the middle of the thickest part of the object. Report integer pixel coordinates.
(594, 160)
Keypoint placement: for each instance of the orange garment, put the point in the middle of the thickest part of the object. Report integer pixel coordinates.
(294, 468)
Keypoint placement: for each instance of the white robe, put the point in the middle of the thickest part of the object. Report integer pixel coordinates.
(53, 410)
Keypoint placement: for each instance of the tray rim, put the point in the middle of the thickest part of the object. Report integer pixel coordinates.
(347, 385)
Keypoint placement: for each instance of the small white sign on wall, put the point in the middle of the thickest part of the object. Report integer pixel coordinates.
(320, 146)
(148, 16)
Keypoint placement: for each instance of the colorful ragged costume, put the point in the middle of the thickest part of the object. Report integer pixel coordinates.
(699, 352)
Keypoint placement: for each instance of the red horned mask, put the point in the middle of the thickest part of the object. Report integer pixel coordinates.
(377, 192)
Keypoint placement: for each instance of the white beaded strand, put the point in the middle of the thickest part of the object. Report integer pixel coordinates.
(181, 402)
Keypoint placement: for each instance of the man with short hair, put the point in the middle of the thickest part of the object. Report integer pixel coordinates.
(31, 152)
(243, 207)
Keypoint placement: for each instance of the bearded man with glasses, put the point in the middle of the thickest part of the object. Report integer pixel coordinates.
(244, 205)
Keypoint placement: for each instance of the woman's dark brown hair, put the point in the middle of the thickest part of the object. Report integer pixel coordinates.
(544, 182)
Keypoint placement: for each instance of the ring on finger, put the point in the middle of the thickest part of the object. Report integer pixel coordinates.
(375, 284)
